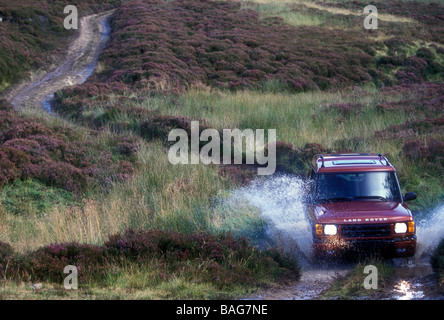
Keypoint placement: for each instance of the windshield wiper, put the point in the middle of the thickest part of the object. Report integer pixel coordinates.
(371, 197)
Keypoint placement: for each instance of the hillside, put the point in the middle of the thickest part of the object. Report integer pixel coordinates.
(92, 182)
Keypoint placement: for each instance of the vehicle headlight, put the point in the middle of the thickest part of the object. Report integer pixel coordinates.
(400, 227)
(330, 229)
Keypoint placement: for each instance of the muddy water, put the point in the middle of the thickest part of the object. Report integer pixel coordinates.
(414, 279)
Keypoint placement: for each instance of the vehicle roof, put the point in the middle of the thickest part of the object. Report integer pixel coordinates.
(351, 162)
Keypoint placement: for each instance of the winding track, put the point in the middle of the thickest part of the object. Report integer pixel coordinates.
(80, 62)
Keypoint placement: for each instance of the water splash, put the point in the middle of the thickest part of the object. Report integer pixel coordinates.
(279, 200)
(430, 231)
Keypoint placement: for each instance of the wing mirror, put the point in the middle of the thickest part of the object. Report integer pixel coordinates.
(410, 196)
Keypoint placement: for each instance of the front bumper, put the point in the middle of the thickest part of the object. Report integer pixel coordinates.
(396, 247)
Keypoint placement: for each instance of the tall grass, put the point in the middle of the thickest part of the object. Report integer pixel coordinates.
(308, 118)
(298, 118)
(160, 195)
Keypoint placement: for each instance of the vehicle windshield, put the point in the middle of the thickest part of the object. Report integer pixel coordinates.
(358, 186)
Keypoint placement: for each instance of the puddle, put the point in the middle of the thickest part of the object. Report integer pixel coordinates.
(408, 290)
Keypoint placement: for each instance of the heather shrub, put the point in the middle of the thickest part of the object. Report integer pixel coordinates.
(227, 260)
(238, 175)
(432, 126)
(60, 157)
(8, 171)
(346, 109)
(141, 245)
(6, 257)
(259, 54)
(415, 150)
(220, 259)
(160, 126)
(285, 262)
(288, 158)
(48, 263)
(431, 151)
(422, 99)
(425, 54)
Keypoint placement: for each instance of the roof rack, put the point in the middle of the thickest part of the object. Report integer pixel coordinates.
(319, 156)
(349, 154)
(381, 157)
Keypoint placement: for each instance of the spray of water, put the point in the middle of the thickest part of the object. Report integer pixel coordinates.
(430, 231)
(279, 200)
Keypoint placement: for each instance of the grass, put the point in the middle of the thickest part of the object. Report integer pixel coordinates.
(351, 286)
(298, 118)
(32, 198)
(130, 284)
(153, 198)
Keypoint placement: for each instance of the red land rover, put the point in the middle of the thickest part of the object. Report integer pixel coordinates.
(357, 205)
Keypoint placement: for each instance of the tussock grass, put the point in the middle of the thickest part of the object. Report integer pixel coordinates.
(160, 195)
(298, 118)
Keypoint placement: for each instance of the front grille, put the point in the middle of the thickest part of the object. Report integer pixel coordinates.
(366, 230)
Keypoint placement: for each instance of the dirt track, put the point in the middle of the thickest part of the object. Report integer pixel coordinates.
(81, 60)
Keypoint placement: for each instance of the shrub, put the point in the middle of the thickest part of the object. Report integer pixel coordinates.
(227, 260)
(58, 156)
(141, 245)
(48, 263)
(233, 49)
(432, 151)
(220, 259)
